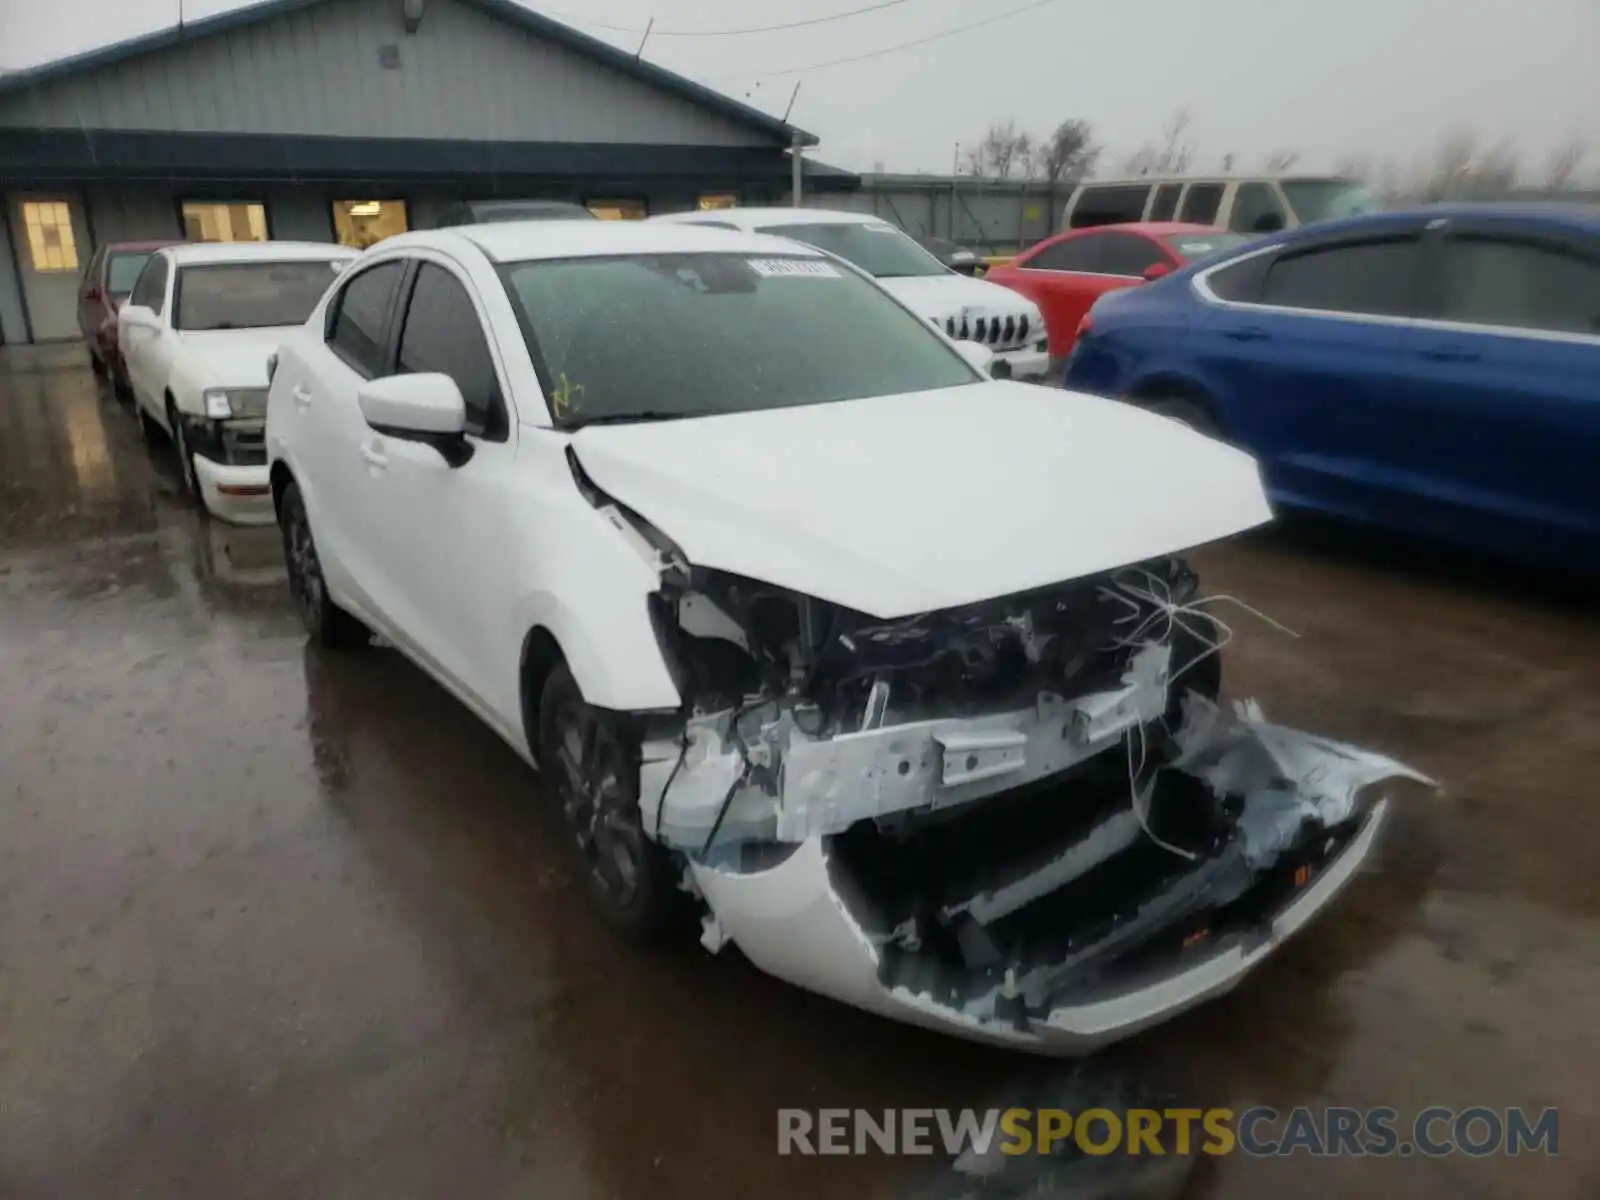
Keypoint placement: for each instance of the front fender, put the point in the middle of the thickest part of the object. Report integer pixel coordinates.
(611, 648)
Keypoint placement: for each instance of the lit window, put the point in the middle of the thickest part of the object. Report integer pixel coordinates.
(204, 221)
(716, 200)
(360, 223)
(51, 246)
(619, 210)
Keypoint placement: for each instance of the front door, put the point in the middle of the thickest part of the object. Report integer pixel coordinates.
(52, 247)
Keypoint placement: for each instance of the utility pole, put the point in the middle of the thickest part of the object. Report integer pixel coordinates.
(796, 164)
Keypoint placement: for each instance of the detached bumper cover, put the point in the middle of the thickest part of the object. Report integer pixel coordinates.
(798, 920)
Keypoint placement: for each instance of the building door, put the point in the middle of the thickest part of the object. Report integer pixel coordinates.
(52, 246)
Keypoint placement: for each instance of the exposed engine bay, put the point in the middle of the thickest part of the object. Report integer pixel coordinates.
(1026, 819)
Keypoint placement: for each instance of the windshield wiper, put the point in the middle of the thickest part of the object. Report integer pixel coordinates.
(627, 418)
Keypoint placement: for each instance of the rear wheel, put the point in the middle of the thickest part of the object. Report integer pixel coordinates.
(327, 623)
(589, 758)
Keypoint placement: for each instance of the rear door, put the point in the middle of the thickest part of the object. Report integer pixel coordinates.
(327, 433)
(1307, 346)
(1505, 391)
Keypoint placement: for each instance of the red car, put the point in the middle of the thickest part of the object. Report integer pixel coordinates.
(1066, 274)
(107, 280)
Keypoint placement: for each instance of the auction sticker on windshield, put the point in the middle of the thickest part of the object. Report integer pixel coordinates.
(796, 268)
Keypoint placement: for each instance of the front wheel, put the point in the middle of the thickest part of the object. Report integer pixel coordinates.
(180, 446)
(327, 623)
(590, 760)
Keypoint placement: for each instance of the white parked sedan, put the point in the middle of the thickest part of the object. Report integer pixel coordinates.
(196, 334)
(889, 672)
(971, 309)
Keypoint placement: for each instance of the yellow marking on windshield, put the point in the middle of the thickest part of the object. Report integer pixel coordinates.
(568, 397)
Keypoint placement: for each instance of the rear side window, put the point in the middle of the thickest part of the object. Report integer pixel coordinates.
(443, 333)
(1522, 284)
(358, 324)
(1201, 202)
(1165, 204)
(1110, 205)
(1257, 209)
(1080, 254)
(1374, 277)
(1127, 254)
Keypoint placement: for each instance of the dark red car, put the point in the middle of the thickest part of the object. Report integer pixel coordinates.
(107, 280)
(1066, 274)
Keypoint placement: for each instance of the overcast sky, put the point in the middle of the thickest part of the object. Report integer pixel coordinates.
(1324, 77)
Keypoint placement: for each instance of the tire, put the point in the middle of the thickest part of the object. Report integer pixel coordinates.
(149, 431)
(328, 624)
(590, 762)
(1185, 412)
(180, 447)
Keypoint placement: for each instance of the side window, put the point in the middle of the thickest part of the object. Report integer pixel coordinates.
(1374, 277)
(1125, 254)
(1200, 203)
(443, 333)
(151, 290)
(1165, 204)
(1240, 281)
(358, 324)
(1109, 205)
(1257, 209)
(1526, 285)
(1074, 254)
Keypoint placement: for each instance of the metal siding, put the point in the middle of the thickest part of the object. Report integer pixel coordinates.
(463, 75)
(300, 215)
(131, 214)
(13, 324)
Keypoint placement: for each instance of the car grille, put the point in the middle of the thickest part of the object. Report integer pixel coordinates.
(1007, 331)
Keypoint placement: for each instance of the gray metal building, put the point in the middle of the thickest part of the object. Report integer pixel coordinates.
(350, 120)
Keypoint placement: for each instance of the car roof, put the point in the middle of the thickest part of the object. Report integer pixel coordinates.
(187, 254)
(760, 218)
(1152, 228)
(520, 241)
(149, 244)
(1583, 218)
(1221, 177)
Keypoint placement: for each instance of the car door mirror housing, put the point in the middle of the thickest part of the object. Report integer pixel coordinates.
(426, 408)
(979, 356)
(1156, 270)
(138, 314)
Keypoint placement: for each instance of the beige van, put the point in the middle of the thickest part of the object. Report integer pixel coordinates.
(1242, 203)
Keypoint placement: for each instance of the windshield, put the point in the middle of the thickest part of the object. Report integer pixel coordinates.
(124, 271)
(1194, 246)
(256, 295)
(650, 337)
(1325, 199)
(879, 250)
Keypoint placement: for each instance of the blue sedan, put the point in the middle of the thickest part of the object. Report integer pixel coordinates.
(1434, 371)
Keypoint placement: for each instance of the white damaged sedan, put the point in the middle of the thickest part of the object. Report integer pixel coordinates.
(886, 672)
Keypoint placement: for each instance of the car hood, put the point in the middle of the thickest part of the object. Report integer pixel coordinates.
(945, 296)
(913, 503)
(234, 357)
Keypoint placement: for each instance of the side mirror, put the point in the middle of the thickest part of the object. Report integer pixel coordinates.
(1156, 270)
(425, 408)
(979, 356)
(138, 315)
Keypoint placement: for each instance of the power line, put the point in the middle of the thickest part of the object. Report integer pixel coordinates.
(839, 62)
(839, 16)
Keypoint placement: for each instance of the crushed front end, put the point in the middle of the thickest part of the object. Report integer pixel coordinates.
(1024, 820)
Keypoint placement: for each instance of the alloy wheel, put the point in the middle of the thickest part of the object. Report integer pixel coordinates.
(599, 808)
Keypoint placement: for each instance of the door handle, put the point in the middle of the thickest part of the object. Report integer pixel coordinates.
(1451, 356)
(374, 456)
(1247, 333)
(301, 396)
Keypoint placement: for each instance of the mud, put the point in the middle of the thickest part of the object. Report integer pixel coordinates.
(279, 923)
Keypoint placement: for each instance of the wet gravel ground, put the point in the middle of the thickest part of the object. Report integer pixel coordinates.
(276, 923)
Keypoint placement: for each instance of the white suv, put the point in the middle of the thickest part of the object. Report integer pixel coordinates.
(797, 610)
(967, 309)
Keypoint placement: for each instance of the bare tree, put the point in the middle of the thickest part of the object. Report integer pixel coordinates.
(1069, 153)
(1282, 160)
(1561, 167)
(1227, 163)
(1177, 147)
(1452, 166)
(1002, 149)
